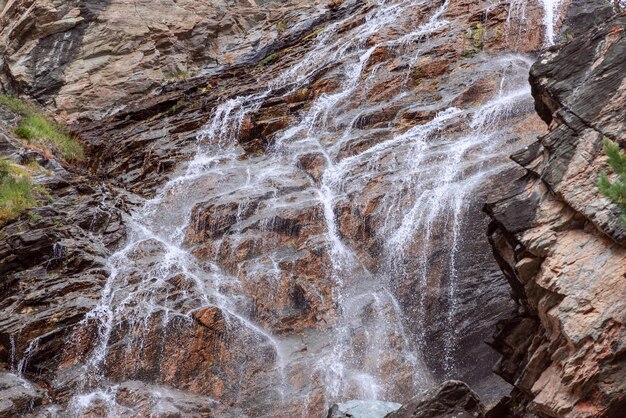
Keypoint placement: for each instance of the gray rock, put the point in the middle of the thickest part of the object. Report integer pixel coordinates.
(362, 409)
(451, 399)
(17, 395)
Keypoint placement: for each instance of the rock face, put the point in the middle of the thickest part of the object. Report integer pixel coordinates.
(17, 395)
(451, 399)
(86, 58)
(53, 266)
(305, 225)
(140, 144)
(559, 242)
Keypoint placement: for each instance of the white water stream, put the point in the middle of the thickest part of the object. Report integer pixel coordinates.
(429, 173)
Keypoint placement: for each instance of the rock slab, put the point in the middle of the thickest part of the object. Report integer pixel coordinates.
(452, 399)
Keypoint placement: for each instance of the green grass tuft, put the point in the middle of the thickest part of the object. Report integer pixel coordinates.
(42, 130)
(17, 192)
(15, 104)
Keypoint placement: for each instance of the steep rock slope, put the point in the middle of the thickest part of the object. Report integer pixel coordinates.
(86, 58)
(152, 136)
(559, 242)
(153, 339)
(53, 266)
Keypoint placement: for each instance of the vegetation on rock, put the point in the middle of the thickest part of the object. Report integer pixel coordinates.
(615, 190)
(268, 60)
(17, 192)
(39, 129)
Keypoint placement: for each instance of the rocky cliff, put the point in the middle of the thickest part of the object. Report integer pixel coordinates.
(559, 241)
(280, 205)
(89, 58)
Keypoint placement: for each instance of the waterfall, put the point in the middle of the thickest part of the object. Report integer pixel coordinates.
(372, 339)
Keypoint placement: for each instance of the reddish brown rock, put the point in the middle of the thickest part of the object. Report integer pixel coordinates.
(560, 244)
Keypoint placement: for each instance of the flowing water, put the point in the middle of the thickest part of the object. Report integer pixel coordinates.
(425, 175)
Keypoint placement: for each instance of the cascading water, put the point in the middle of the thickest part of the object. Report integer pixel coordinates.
(374, 336)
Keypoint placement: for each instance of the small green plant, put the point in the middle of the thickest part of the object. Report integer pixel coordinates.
(281, 26)
(34, 218)
(37, 128)
(615, 191)
(268, 60)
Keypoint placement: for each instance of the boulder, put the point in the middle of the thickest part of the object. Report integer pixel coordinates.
(453, 399)
(362, 409)
(17, 395)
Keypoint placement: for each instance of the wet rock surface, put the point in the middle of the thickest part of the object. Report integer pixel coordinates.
(305, 220)
(451, 399)
(53, 267)
(362, 409)
(17, 395)
(247, 234)
(560, 244)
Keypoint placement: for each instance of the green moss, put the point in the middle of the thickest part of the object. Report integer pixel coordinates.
(37, 128)
(34, 218)
(268, 60)
(474, 39)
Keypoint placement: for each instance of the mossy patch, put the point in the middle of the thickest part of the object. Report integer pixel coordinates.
(38, 129)
(270, 59)
(474, 39)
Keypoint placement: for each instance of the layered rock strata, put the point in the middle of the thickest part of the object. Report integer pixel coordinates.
(88, 58)
(559, 241)
(53, 263)
(269, 240)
